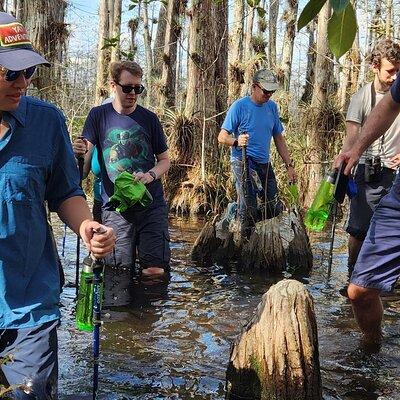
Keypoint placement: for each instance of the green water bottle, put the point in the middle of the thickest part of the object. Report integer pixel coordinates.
(84, 304)
(318, 213)
(293, 193)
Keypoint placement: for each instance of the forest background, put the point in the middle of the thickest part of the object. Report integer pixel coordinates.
(198, 57)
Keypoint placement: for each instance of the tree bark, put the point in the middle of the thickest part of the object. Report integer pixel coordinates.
(221, 68)
(308, 87)
(116, 30)
(290, 16)
(276, 355)
(169, 57)
(133, 25)
(273, 20)
(389, 19)
(264, 250)
(322, 83)
(236, 77)
(45, 22)
(349, 75)
(248, 50)
(160, 40)
(201, 98)
(147, 44)
(103, 54)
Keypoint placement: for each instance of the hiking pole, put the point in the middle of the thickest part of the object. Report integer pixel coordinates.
(245, 187)
(333, 229)
(98, 269)
(339, 193)
(81, 162)
(97, 283)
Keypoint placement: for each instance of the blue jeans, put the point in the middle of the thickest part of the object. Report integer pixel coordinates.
(266, 191)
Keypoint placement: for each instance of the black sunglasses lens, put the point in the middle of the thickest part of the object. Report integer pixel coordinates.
(13, 75)
(137, 89)
(127, 89)
(29, 72)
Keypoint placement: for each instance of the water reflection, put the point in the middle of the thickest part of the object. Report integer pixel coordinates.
(173, 340)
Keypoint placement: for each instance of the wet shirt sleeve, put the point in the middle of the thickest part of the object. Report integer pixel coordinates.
(395, 89)
(63, 177)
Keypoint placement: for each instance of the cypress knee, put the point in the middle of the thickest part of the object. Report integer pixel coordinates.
(276, 356)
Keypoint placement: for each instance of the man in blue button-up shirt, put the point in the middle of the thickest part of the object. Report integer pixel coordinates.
(36, 165)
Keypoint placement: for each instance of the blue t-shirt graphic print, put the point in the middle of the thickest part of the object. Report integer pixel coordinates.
(125, 143)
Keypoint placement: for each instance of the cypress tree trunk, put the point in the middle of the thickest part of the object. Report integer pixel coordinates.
(308, 87)
(201, 97)
(159, 43)
(248, 50)
(171, 39)
(45, 22)
(273, 20)
(116, 30)
(316, 134)
(147, 46)
(290, 16)
(276, 356)
(103, 54)
(221, 68)
(236, 53)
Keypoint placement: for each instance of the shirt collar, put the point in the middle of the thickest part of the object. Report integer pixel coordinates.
(20, 113)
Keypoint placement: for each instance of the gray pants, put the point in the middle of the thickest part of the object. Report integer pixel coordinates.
(31, 364)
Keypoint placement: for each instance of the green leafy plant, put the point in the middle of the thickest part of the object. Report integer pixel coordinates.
(342, 26)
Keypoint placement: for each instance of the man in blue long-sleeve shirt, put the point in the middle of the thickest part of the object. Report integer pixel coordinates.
(36, 165)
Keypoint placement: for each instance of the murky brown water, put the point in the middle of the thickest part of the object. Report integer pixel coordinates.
(174, 341)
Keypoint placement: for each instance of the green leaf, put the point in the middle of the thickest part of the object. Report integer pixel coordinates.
(250, 3)
(339, 5)
(309, 12)
(131, 7)
(342, 29)
(261, 12)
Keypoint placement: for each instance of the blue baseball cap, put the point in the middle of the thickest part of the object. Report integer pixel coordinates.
(16, 51)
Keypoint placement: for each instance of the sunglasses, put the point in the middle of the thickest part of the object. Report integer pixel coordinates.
(128, 88)
(266, 92)
(10, 75)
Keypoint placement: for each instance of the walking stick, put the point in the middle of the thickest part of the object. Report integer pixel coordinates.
(245, 187)
(339, 194)
(81, 162)
(97, 292)
(333, 229)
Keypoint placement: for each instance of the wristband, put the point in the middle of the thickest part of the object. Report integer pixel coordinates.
(152, 174)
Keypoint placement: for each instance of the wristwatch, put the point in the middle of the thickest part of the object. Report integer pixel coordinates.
(152, 174)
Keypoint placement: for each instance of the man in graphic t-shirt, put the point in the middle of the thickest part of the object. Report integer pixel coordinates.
(130, 138)
(377, 167)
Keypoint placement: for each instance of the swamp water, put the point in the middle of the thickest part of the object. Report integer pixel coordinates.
(174, 341)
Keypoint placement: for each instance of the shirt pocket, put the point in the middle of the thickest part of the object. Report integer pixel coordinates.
(23, 180)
